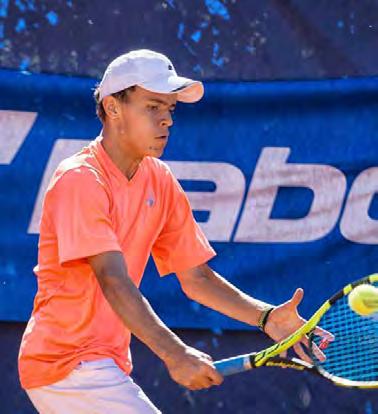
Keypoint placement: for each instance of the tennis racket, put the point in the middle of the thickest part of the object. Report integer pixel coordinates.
(351, 358)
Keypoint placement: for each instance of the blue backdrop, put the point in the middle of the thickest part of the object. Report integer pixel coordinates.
(282, 176)
(212, 39)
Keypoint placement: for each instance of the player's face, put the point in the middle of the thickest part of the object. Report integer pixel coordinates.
(144, 122)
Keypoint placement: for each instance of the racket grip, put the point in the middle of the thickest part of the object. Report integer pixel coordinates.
(233, 365)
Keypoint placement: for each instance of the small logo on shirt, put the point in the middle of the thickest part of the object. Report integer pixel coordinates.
(150, 202)
(150, 198)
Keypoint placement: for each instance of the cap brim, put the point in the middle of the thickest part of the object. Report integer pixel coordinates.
(187, 90)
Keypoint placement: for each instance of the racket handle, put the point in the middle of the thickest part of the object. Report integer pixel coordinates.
(233, 365)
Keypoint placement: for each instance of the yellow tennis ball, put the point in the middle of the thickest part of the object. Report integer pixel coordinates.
(363, 300)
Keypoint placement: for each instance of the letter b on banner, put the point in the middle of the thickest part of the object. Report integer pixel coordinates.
(327, 183)
(356, 224)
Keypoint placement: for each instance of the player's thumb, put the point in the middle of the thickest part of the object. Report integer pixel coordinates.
(296, 298)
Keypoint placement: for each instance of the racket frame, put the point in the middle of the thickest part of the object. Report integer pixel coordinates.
(270, 356)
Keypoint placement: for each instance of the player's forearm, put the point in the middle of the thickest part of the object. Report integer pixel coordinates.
(212, 290)
(138, 315)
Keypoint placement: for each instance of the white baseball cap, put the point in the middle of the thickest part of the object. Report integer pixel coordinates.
(151, 71)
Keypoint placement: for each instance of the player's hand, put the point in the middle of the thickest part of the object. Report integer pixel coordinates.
(285, 319)
(193, 369)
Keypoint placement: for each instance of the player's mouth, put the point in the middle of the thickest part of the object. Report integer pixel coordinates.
(162, 140)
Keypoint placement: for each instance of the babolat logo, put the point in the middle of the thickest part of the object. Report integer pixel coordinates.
(284, 364)
(328, 186)
(238, 213)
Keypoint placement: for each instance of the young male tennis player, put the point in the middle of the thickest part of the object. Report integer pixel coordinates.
(106, 209)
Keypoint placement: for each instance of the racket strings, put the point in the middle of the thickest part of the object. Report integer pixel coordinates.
(354, 352)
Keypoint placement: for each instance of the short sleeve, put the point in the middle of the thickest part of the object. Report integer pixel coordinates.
(79, 209)
(181, 244)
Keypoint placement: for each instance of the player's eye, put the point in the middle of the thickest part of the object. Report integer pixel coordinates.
(153, 108)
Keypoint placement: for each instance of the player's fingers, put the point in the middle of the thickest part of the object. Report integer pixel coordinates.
(317, 352)
(326, 335)
(214, 376)
(283, 354)
(207, 357)
(305, 341)
(202, 383)
(198, 384)
(298, 349)
(315, 349)
(193, 387)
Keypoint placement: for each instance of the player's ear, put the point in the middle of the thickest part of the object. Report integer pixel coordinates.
(111, 107)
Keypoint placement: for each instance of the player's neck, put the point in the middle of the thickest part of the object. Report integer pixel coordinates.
(124, 160)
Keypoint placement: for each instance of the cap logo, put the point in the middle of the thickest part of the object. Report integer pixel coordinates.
(170, 67)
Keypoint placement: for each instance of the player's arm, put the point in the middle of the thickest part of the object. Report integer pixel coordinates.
(205, 286)
(187, 366)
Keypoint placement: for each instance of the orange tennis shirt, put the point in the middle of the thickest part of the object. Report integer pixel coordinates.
(90, 207)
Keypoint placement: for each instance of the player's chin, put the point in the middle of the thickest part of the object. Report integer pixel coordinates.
(156, 151)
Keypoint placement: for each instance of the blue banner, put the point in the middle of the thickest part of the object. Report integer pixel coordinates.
(282, 176)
